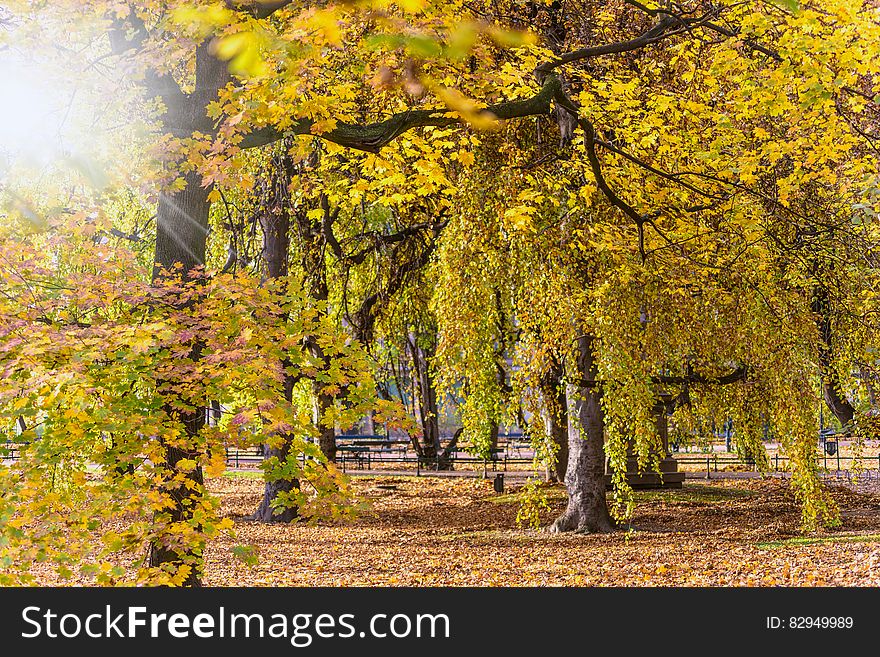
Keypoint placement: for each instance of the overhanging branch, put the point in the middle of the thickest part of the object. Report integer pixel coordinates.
(739, 374)
(371, 137)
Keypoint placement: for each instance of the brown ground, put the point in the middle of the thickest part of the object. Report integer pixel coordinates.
(458, 532)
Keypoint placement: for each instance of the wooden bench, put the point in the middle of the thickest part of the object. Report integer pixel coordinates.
(360, 454)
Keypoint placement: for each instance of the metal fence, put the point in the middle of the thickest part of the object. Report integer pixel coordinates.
(355, 458)
(779, 463)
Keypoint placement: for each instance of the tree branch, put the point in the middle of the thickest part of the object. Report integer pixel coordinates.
(666, 27)
(372, 137)
(739, 374)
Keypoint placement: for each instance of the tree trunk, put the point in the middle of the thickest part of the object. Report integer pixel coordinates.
(326, 435)
(587, 509)
(182, 227)
(555, 417)
(265, 512)
(181, 235)
(275, 223)
(312, 246)
(831, 388)
(869, 379)
(185, 497)
(493, 437)
(427, 392)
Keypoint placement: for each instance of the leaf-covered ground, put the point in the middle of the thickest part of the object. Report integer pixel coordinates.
(459, 532)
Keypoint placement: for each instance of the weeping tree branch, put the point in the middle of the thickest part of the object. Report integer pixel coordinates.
(364, 318)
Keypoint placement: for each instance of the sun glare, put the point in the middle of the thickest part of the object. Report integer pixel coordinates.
(33, 113)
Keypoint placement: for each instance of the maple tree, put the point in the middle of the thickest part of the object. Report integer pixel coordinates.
(623, 201)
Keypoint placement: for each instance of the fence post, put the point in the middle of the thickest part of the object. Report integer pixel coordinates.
(708, 469)
(418, 465)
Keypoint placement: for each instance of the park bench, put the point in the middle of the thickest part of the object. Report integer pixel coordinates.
(11, 450)
(238, 456)
(519, 446)
(359, 454)
(370, 440)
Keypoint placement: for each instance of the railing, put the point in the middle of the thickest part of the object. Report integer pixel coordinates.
(360, 456)
(10, 451)
(781, 463)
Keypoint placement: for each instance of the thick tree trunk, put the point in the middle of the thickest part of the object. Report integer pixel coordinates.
(869, 379)
(555, 417)
(182, 227)
(428, 415)
(831, 388)
(266, 511)
(587, 509)
(181, 235)
(275, 223)
(493, 437)
(185, 497)
(311, 241)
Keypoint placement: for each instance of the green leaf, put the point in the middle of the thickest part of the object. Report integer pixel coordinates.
(791, 6)
(246, 554)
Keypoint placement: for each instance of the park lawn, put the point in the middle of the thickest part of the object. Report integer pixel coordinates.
(459, 532)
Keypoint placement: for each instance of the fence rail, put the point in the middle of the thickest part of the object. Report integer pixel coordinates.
(779, 463)
(354, 456)
(351, 457)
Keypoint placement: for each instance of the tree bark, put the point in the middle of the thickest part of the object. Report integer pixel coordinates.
(832, 392)
(312, 247)
(265, 511)
(182, 228)
(182, 221)
(184, 498)
(428, 416)
(587, 509)
(275, 223)
(181, 235)
(555, 418)
(326, 434)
